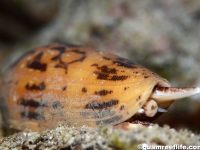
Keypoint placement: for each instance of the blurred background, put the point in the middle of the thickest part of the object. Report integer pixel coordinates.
(163, 36)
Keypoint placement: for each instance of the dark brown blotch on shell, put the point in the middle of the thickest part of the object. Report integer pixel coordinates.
(94, 65)
(36, 64)
(63, 66)
(105, 76)
(103, 92)
(101, 76)
(122, 107)
(101, 105)
(118, 78)
(125, 88)
(106, 69)
(64, 88)
(32, 115)
(41, 86)
(84, 90)
(31, 103)
(138, 98)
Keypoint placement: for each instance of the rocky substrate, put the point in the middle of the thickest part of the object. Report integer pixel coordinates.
(109, 138)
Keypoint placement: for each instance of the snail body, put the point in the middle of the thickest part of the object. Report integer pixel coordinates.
(79, 85)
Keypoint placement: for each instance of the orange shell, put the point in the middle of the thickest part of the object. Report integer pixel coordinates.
(74, 85)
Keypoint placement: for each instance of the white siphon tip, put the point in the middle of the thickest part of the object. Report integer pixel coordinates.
(162, 110)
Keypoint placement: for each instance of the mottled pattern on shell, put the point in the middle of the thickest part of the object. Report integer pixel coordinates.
(74, 85)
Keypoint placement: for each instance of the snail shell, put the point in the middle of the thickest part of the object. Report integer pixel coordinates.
(74, 85)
